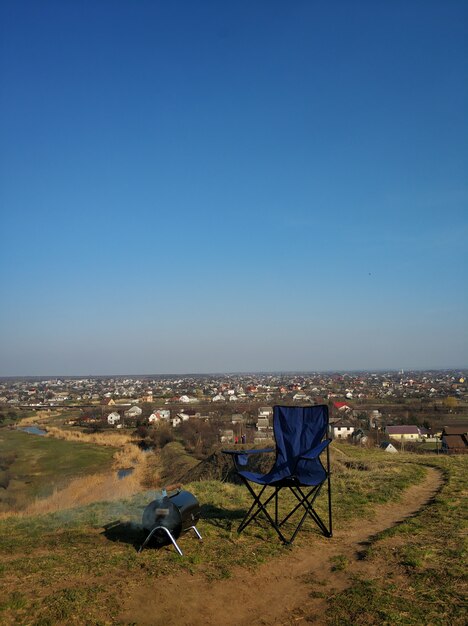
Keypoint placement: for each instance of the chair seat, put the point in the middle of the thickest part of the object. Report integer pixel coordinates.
(283, 479)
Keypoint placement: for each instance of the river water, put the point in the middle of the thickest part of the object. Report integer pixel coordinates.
(33, 430)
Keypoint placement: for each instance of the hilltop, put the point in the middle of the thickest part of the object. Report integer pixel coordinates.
(396, 557)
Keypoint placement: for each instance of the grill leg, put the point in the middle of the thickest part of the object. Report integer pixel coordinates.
(194, 528)
(174, 542)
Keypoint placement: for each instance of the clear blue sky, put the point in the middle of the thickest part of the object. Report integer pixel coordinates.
(202, 186)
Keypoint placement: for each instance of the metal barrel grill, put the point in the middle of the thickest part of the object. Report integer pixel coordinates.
(168, 517)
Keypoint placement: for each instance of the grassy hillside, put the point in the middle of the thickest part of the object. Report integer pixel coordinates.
(423, 564)
(79, 566)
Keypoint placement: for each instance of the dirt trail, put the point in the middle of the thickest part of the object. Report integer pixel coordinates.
(278, 592)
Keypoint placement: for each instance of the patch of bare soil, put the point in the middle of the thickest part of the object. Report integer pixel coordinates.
(283, 590)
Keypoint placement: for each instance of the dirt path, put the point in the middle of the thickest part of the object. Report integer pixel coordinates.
(278, 592)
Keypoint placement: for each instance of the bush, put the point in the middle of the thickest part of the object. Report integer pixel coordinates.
(161, 435)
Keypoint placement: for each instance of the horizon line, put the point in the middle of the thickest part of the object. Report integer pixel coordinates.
(241, 372)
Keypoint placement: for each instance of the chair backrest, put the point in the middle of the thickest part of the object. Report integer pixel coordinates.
(298, 429)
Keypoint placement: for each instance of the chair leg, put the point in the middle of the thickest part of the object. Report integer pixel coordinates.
(276, 505)
(291, 513)
(261, 508)
(246, 521)
(329, 494)
(308, 505)
(305, 500)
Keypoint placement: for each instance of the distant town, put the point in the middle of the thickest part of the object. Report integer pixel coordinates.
(425, 410)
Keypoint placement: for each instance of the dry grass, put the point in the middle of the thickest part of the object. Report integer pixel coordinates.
(129, 456)
(96, 487)
(100, 439)
(38, 417)
(85, 490)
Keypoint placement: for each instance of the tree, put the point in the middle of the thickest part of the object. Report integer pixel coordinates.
(451, 402)
(147, 409)
(162, 435)
(142, 431)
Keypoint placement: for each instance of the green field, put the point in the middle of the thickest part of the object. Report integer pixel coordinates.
(33, 466)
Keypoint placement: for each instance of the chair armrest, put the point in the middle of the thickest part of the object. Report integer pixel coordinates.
(314, 452)
(262, 451)
(241, 456)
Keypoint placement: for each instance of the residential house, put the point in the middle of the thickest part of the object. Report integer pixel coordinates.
(388, 447)
(263, 437)
(159, 414)
(265, 411)
(455, 439)
(404, 432)
(153, 418)
(263, 423)
(237, 418)
(359, 436)
(134, 411)
(342, 406)
(147, 397)
(375, 418)
(113, 418)
(342, 429)
(226, 436)
(300, 396)
(218, 398)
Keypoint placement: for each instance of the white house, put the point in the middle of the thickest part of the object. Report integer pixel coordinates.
(388, 447)
(160, 414)
(263, 423)
(404, 432)
(134, 411)
(113, 418)
(300, 396)
(218, 398)
(342, 406)
(263, 436)
(359, 436)
(226, 436)
(342, 429)
(265, 411)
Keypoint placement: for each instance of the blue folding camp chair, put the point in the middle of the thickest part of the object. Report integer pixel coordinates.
(299, 433)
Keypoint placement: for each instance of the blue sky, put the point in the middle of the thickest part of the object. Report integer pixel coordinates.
(232, 186)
